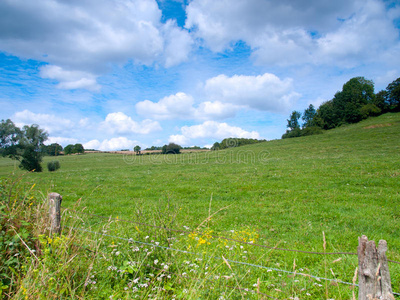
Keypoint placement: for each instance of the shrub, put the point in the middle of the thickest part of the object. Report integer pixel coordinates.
(311, 130)
(53, 165)
(171, 148)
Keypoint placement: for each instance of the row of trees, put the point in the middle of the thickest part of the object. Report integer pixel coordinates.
(356, 101)
(234, 142)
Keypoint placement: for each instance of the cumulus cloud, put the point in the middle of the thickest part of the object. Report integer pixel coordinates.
(51, 123)
(63, 141)
(70, 80)
(211, 129)
(181, 106)
(294, 32)
(170, 107)
(119, 123)
(264, 92)
(85, 37)
(118, 143)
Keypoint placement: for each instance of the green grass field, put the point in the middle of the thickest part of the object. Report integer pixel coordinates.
(345, 183)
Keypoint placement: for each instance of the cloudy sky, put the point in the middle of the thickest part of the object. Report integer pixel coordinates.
(113, 74)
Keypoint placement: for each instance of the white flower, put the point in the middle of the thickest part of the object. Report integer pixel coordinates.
(156, 261)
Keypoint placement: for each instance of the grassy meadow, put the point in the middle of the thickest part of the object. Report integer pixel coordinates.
(286, 193)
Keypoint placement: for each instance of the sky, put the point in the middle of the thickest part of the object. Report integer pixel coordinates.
(119, 73)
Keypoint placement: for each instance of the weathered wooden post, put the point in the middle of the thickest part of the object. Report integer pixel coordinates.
(374, 278)
(55, 212)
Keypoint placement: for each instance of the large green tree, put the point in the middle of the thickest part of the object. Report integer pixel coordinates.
(393, 95)
(23, 145)
(356, 93)
(308, 116)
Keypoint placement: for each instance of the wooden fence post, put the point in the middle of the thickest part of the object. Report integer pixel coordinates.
(55, 212)
(374, 278)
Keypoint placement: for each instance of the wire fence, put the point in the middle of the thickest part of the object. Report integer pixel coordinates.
(269, 269)
(223, 237)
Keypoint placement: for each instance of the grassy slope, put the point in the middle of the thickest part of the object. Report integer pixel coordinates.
(344, 182)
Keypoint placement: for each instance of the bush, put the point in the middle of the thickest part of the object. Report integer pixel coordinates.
(311, 130)
(171, 148)
(53, 165)
(369, 110)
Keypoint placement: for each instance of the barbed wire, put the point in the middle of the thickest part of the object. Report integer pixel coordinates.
(216, 257)
(227, 238)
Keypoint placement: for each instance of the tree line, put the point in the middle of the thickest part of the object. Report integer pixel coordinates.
(234, 142)
(355, 102)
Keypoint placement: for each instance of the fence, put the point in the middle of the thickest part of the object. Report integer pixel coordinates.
(373, 270)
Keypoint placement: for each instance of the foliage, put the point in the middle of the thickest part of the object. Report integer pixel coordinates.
(53, 149)
(308, 116)
(53, 165)
(393, 95)
(10, 135)
(355, 102)
(293, 121)
(216, 146)
(23, 145)
(74, 149)
(154, 148)
(18, 226)
(137, 149)
(234, 142)
(171, 148)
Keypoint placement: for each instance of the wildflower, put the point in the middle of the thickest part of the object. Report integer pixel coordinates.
(156, 261)
(146, 237)
(136, 280)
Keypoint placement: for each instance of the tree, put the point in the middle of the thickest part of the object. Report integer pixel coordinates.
(53, 149)
(78, 148)
(69, 149)
(355, 93)
(393, 95)
(72, 149)
(137, 149)
(293, 121)
(23, 145)
(308, 116)
(216, 146)
(9, 139)
(381, 101)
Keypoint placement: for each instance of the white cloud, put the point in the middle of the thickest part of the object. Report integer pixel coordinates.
(264, 92)
(51, 123)
(211, 129)
(70, 79)
(118, 143)
(179, 139)
(86, 37)
(181, 106)
(178, 44)
(63, 141)
(294, 32)
(93, 144)
(171, 107)
(216, 110)
(122, 124)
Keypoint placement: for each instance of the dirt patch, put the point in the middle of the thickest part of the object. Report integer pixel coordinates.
(378, 126)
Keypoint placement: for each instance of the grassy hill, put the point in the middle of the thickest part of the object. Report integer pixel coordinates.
(345, 183)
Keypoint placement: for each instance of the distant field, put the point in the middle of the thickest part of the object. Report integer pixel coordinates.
(345, 183)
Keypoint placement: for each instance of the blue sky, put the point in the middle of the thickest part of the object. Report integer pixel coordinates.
(114, 74)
